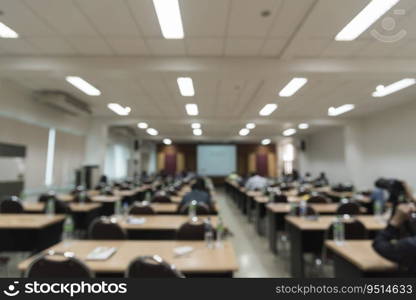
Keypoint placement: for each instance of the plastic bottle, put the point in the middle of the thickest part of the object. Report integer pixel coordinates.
(117, 208)
(220, 233)
(209, 234)
(50, 207)
(192, 210)
(339, 231)
(378, 209)
(271, 196)
(125, 209)
(302, 208)
(68, 230)
(292, 209)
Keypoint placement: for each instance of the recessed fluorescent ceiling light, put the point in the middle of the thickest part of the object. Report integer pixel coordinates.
(84, 86)
(152, 131)
(244, 131)
(382, 91)
(167, 141)
(142, 125)
(170, 20)
(191, 109)
(336, 111)
(250, 125)
(196, 126)
(289, 132)
(268, 109)
(293, 86)
(7, 33)
(197, 131)
(266, 141)
(118, 109)
(303, 126)
(186, 86)
(361, 22)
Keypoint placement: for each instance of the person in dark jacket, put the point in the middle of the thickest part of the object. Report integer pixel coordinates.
(200, 193)
(389, 244)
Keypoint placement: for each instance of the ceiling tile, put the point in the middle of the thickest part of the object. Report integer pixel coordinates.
(52, 45)
(204, 46)
(246, 20)
(90, 46)
(110, 17)
(18, 46)
(166, 47)
(273, 47)
(128, 46)
(203, 18)
(243, 47)
(145, 15)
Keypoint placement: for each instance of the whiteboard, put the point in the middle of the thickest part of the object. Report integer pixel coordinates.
(216, 160)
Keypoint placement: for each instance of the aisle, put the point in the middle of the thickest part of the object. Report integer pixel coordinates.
(253, 254)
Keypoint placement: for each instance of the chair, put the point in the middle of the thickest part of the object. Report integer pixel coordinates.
(46, 196)
(280, 198)
(161, 199)
(57, 265)
(318, 199)
(201, 209)
(77, 198)
(11, 205)
(190, 231)
(349, 208)
(61, 207)
(353, 230)
(151, 267)
(141, 210)
(104, 228)
(309, 211)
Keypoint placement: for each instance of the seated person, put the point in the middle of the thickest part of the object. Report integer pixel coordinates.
(389, 244)
(307, 179)
(199, 192)
(322, 180)
(256, 182)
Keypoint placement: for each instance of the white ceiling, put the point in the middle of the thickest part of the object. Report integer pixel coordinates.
(237, 59)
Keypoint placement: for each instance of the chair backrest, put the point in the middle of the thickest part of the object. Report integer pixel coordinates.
(353, 230)
(57, 265)
(318, 199)
(201, 209)
(61, 207)
(11, 205)
(104, 228)
(349, 208)
(77, 198)
(280, 198)
(141, 210)
(161, 199)
(45, 197)
(151, 267)
(309, 211)
(191, 231)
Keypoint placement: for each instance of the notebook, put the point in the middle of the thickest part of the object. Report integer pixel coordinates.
(101, 253)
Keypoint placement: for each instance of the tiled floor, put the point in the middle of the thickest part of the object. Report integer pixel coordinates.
(253, 254)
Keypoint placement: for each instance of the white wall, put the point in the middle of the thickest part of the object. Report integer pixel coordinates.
(378, 145)
(26, 122)
(325, 152)
(120, 151)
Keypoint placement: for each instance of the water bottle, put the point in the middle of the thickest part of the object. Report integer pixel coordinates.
(50, 207)
(271, 196)
(192, 211)
(293, 207)
(82, 197)
(117, 208)
(209, 234)
(302, 208)
(339, 231)
(220, 233)
(148, 196)
(378, 209)
(68, 232)
(125, 209)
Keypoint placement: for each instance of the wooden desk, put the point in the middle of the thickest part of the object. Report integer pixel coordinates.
(276, 213)
(158, 227)
(29, 232)
(357, 258)
(82, 213)
(201, 262)
(307, 235)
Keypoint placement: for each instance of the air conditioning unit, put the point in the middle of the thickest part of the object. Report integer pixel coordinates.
(63, 102)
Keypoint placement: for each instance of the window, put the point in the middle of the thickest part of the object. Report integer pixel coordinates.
(288, 158)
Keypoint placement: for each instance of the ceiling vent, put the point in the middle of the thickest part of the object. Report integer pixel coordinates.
(63, 102)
